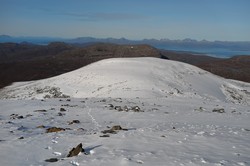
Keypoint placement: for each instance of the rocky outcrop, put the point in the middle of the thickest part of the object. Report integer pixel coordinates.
(114, 130)
(54, 129)
(75, 151)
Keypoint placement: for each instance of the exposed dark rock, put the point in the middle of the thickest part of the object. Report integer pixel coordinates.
(74, 121)
(21, 138)
(16, 116)
(219, 110)
(116, 128)
(111, 105)
(75, 151)
(20, 117)
(109, 132)
(60, 114)
(40, 111)
(118, 108)
(67, 105)
(54, 129)
(51, 160)
(136, 109)
(105, 135)
(62, 109)
(126, 108)
(13, 116)
(113, 130)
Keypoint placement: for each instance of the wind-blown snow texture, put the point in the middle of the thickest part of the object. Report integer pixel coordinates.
(186, 116)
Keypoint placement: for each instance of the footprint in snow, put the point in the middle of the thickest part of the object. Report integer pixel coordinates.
(48, 147)
(74, 163)
(139, 161)
(57, 153)
(54, 141)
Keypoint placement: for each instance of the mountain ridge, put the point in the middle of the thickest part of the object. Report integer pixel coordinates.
(160, 43)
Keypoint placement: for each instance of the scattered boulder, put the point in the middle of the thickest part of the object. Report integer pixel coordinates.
(62, 109)
(75, 151)
(118, 108)
(74, 121)
(136, 109)
(126, 108)
(20, 117)
(60, 114)
(114, 130)
(111, 106)
(54, 129)
(219, 110)
(118, 127)
(16, 116)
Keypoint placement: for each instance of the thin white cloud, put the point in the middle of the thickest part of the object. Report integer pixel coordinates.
(105, 16)
(101, 16)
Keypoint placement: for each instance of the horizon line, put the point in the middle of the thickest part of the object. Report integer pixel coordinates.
(159, 39)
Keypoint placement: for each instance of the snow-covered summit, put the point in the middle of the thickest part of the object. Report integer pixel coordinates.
(169, 113)
(131, 78)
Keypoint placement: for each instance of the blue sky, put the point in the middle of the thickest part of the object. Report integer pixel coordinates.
(132, 19)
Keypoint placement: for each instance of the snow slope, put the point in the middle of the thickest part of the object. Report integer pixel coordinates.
(130, 78)
(186, 116)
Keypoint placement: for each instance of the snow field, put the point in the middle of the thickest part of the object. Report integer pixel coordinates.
(178, 123)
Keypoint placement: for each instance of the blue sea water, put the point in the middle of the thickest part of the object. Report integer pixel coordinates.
(215, 52)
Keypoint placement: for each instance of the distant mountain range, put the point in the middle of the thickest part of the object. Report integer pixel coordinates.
(220, 48)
